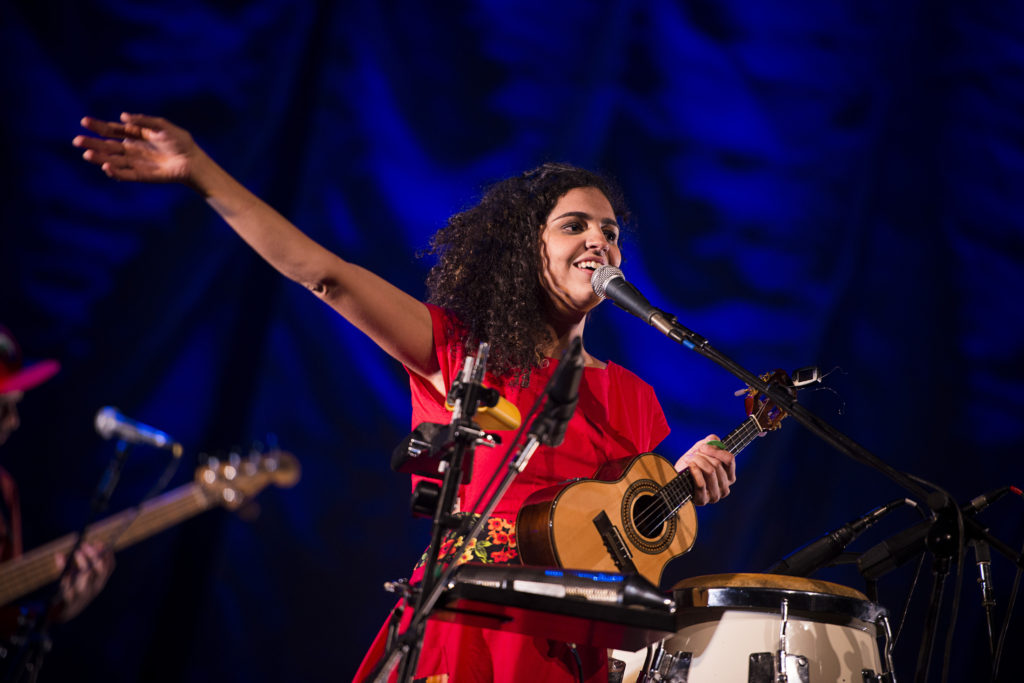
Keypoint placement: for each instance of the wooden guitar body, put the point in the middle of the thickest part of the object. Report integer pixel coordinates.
(636, 513)
(572, 526)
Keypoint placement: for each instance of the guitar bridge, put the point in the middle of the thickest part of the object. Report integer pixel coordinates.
(615, 544)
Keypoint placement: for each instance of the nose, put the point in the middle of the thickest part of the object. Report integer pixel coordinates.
(596, 239)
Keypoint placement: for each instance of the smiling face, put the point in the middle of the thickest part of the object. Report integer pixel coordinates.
(580, 235)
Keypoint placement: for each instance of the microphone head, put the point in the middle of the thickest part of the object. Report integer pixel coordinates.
(106, 421)
(602, 276)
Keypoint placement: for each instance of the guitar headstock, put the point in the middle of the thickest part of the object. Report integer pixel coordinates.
(236, 479)
(761, 407)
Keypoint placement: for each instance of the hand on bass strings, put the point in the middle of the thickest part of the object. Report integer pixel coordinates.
(713, 470)
(92, 567)
(141, 148)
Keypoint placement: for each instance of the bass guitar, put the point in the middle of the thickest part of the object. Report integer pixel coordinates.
(218, 483)
(636, 514)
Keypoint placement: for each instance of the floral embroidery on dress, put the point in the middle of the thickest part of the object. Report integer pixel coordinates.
(498, 545)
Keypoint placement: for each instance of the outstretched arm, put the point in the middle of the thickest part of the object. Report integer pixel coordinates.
(151, 149)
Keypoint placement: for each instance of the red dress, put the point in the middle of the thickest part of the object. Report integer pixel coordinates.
(618, 416)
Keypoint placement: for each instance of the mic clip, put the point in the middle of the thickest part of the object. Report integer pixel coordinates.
(430, 447)
(668, 324)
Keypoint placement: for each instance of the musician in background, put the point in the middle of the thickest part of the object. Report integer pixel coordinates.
(92, 565)
(513, 271)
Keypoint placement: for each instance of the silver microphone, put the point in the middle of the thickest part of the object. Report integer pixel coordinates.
(111, 423)
(608, 282)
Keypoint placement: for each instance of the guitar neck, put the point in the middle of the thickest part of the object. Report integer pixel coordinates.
(679, 491)
(38, 567)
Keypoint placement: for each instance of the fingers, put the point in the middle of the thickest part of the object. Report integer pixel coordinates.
(138, 122)
(99, 151)
(114, 157)
(713, 470)
(92, 560)
(92, 566)
(129, 125)
(107, 129)
(139, 148)
(105, 153)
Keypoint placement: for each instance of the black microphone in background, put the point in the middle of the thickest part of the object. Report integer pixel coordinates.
(110, 424)
(563, 393)
(893, 552)
(819, 553)
(984, 500)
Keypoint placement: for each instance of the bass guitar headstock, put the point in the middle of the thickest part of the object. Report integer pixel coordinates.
(233, 481)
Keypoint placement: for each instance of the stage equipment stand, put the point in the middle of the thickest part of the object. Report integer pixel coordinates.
(35, 641)
(560, 395)
(933, 534)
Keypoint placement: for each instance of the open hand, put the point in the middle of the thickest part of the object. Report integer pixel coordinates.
(142, 148)
(713, 470)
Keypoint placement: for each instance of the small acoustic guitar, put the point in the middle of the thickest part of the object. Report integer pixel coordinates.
(636, 514)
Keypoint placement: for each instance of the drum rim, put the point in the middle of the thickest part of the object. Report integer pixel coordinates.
(802, 604)
(779, 581)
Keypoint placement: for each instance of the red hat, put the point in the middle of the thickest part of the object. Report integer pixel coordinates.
(14, 377)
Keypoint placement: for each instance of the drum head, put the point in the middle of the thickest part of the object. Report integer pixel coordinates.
(810, 598)
(776, 581)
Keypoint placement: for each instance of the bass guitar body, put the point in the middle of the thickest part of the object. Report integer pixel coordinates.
(619, 521)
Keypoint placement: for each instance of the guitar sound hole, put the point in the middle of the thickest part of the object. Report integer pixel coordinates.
(649, 515)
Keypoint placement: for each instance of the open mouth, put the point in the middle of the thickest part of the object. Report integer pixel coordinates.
(588, 265)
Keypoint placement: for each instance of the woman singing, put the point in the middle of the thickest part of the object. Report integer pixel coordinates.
(513, 271)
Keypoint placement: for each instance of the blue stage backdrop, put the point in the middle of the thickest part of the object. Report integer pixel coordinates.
(827, 184)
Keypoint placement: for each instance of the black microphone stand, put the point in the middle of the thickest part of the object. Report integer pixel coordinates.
(35, 642)
(943, 541)
(669, 325)
(786, 401)
(407, 646)
(404, 649)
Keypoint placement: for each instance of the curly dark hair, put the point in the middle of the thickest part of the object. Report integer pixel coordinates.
(489, 265)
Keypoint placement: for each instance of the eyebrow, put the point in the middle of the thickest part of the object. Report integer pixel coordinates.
(586, 216)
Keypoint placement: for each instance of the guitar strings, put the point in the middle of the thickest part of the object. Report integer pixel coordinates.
(681, 487)
(36, 567)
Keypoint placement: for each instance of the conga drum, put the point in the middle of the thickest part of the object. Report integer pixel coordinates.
(746, 627)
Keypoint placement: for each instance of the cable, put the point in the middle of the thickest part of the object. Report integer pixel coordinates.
(957, 587)
(579, 662)
(913, 587)
(1006, 621)
(1009, 609)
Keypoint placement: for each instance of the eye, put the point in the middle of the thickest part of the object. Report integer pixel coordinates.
(611, 235)
(574, 226)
